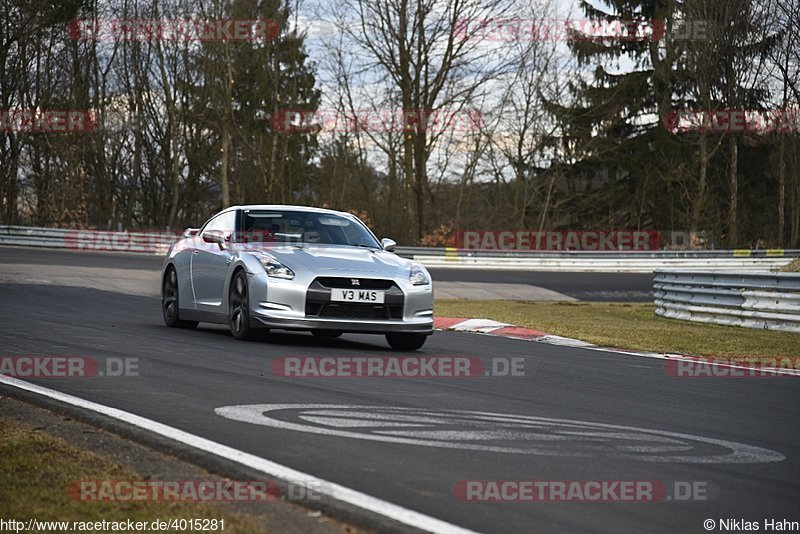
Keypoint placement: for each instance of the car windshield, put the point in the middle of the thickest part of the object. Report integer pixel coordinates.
(300, 227)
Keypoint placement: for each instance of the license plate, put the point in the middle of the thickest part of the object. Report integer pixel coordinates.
(357, 295)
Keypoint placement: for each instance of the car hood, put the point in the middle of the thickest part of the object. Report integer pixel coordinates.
(337, 258)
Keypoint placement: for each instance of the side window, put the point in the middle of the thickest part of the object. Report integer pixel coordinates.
(226, 222)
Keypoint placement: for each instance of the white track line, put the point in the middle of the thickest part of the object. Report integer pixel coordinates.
(287, 474)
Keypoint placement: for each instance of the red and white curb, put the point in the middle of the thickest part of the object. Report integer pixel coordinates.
(495, 328)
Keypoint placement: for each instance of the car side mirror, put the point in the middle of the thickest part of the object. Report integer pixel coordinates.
(388, 244)
(214, 236)
(190, 232)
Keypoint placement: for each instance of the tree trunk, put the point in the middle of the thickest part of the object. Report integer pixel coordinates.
(172, 133)
(699, 200)
(223, 165)
(734, 193)
(781, 192)
(546, 207)
(795, 232)
(11, 185)
(421, 179)
(226, 128)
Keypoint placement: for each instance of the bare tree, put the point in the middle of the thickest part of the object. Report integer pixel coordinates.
(783, 19)
(424, 56)
(521, 126)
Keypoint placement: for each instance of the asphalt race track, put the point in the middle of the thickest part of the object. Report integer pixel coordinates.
(411, 441)
(607, 287)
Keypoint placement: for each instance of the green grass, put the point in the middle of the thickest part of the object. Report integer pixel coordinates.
(36, 469)
(629, 326)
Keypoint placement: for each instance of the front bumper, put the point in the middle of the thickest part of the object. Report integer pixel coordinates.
(298, 305)
(347, 325)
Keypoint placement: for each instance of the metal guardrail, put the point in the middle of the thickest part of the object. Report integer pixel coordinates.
(87, 240)
(753, 300)
(634, 261)
(449, 252)
(438, 257)
(588, 262)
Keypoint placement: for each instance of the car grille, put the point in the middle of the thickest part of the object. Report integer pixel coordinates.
(318, 300)
(347, 283)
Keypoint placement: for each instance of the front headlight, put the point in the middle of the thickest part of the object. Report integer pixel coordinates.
(276, 269)
(418, 276)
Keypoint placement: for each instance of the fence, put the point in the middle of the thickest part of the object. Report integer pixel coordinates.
(603, 261)
(753, 300)
(87, 240)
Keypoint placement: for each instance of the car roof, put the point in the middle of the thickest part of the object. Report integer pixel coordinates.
(285, 207)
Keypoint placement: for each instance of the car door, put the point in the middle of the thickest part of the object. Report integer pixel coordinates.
(210, 262)
(182, 258)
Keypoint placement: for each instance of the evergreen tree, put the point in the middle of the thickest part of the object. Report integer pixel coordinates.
(245, 84)
(613, 136)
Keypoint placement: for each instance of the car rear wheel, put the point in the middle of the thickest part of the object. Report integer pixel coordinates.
(406, 341)
(169, 302)
(239, 306)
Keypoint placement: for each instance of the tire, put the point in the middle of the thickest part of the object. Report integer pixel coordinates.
(406, 341)
(169, 302)
(326, 334)
(239, 308)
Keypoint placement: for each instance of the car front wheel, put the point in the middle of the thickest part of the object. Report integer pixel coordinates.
(239, 306)
(406, 341)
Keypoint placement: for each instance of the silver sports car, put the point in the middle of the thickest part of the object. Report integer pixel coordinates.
(295, 268)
